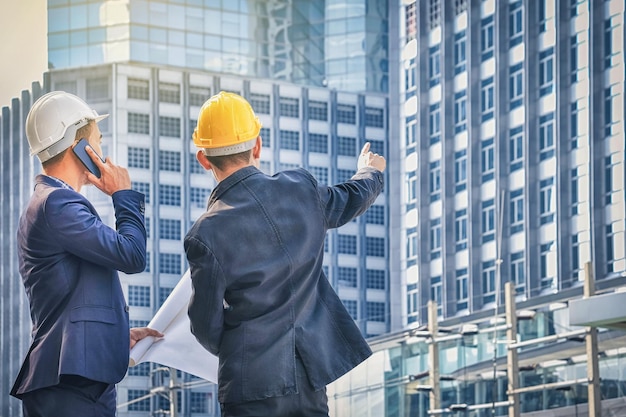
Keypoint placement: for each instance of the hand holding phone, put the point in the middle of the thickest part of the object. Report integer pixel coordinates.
(81, 153)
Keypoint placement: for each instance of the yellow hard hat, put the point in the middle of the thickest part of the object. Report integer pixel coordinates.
(226, 125)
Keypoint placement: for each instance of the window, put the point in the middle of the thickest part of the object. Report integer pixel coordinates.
(488, 220)
(266, 136)
(375, 311)
(344, 175)
(346, 244)
(609, 54)
(138, 89)
(139, 123)
(260, 103)
(138, 158)
(462, 293)
(376, 146)
(574, 125)
(611, 239)
(164, 292)
(199, 402)
(138, 296)
(435, 180)
(434, 123)
(346, 113)
(351, 306)
(516, 23)
(435, 238)
(289, 107)
(198, 95)
(460, 229)
(143, 188)
(460, 170)
(574, 194)
(412, 303)
(489, 281)
(169, 93)
(346, 146)
(97, 89)
(169, 195)
(516, 213)
(375, 279)
(169, 126)
(194, 165)
(169, 229)
(546, 136)
(142, 405)
(375, 215)
(610, 163)
(375, 246)
(460, 112)
(518, 272)
(290, 139)
(460, 59)
(575, 41)
(170, 263)
(435, 293)
(516, 85)
(487, 99)
(147, 221)
(411, 131)
(547, 265)
(169, 161)
(318, 110)
(434, 65)
(411, 191)
(543, 22)
(374, 117)
(346, 277)
(546, 201)
(142, 369)
(516, 150)
(546, 71)
(487, 37)
(411, 244)
(608, 111)
(320, 174)
(575, 257)
(410, 78)
(199, 196)
(318, 143)
(487, 162)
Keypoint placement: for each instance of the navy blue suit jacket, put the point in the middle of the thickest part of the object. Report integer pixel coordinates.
(68, 262)
(260, 247)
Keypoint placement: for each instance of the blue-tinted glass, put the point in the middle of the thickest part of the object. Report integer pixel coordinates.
(97, 35)
(78, 17)
(58, 40)
(58, 20)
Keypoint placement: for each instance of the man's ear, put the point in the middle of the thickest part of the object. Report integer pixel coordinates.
(256, 151)
(202, 159)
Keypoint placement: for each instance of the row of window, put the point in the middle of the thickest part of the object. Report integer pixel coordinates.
(139, 89)
(375, 311)
(199, 402)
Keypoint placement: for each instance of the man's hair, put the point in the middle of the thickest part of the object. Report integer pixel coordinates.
(82, 132)
(225, 161)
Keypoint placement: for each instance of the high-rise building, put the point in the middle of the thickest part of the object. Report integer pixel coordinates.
(513, 160)
(317, 76)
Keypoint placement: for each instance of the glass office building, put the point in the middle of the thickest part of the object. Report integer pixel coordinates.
(141, 62)
(335, 44)
(513, 168)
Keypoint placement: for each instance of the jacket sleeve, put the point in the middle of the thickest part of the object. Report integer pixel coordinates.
(79, 230)
(206, 307)
(343, 202)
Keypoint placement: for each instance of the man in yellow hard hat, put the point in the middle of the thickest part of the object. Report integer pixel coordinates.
(261, 301)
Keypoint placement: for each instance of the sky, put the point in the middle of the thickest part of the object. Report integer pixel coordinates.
(23, 46)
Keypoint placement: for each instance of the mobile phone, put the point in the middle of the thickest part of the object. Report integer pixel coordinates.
(81, 153)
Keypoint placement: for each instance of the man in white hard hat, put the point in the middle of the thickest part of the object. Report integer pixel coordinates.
(69, 262)
(261, 301)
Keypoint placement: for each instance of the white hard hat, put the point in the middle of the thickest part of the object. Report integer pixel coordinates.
(53, 120)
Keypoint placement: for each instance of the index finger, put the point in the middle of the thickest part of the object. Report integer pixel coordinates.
(366, 148)
(94, 156)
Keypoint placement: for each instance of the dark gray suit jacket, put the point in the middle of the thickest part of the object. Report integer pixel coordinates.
(259, 248)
